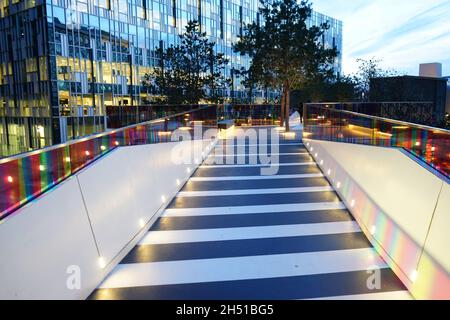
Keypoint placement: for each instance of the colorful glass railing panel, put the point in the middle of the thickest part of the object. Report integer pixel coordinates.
(26, 176)
(122, 116)
(431, 145)
(251, 114)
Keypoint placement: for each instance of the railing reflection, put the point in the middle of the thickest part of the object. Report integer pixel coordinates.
(242, 114)
(25, 176)
(122, 116)
(250, 114)
(431, 145)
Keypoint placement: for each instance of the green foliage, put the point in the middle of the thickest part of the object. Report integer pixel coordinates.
(367, 70)
(286, 52)
(342, 89)
(189, 72)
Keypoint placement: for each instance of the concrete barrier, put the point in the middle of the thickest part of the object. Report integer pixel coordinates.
(402, 207)
(63, 244)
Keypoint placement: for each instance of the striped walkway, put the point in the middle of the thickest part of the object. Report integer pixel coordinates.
(232, 233)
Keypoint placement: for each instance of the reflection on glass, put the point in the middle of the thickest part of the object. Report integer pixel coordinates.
(431, 145)
(24, 177)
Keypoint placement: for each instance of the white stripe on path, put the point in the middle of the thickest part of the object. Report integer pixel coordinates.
(264, 144)
(257, 154)
(291, 207)
(288, 164)
(225, 234)
(187, 194)
(240, 268)
(281, 176)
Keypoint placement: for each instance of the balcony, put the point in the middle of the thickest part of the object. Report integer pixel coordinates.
(346, 207)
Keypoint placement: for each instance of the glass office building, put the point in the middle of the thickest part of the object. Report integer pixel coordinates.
(63, 61)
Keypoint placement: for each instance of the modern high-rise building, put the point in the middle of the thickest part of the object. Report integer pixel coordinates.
(63, 61)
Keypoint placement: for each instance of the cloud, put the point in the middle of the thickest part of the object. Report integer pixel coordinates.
(404, 33)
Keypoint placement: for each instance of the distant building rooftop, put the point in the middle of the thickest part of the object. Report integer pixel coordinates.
(433, 70)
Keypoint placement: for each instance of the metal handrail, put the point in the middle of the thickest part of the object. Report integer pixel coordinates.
(95, 135)
(31, 174)
(430, 144)
(419, 126)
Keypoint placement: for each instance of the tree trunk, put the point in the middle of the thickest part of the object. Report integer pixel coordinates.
(282, 113)
(287, 107)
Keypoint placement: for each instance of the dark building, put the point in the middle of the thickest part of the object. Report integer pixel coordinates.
(423, 98)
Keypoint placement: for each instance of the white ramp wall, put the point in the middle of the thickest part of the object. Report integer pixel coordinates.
(40, 243)
(402, 207)
(62, 245)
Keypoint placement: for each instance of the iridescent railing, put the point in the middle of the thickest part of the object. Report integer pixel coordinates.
(242, 114)
(418, 112)
(24, 177)
(431, 145)
(250, 114)
(122, 116)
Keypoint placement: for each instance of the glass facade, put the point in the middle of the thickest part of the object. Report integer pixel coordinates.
(63, 61)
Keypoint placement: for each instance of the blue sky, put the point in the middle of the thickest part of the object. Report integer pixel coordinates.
(404, 33)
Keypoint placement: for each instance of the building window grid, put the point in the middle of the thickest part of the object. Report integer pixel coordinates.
(95, 37)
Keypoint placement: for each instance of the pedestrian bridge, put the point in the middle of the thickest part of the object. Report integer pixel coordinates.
(252, 212)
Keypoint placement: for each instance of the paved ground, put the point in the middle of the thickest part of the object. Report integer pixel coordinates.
(232, 233)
